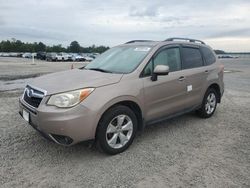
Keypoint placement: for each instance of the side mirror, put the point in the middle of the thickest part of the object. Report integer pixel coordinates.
(160, 70)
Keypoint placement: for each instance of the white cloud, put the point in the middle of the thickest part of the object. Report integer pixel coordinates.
(113, 22)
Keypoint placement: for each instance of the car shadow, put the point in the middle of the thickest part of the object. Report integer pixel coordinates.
(89, 151)
(166, 124)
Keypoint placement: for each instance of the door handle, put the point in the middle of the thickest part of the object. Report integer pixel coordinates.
(181, 78)
(206, 71)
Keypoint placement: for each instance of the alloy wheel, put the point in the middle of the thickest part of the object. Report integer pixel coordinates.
(119, 131)
(210, 103)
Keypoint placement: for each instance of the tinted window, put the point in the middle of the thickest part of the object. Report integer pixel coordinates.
(170, 57)
(191, 58)
(208, 55)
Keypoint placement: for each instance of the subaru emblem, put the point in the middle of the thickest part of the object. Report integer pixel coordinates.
(30, 92)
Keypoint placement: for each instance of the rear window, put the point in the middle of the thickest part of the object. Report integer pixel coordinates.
(208, 55)
(191, 58)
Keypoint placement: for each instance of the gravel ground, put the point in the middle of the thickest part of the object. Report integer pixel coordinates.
(183, 152)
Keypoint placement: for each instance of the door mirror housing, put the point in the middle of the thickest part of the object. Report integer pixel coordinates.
(160, 70)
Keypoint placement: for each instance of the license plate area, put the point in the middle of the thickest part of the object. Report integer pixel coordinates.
(26, 115)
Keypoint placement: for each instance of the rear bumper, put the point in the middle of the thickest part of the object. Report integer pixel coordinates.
(63, 126)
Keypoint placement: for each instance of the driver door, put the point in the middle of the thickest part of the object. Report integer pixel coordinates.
(167, 94)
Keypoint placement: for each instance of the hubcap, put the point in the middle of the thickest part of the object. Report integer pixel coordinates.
(211, 103)
(119, 131)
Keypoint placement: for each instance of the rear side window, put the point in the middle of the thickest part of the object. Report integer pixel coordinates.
(191, 58)
(208, 55)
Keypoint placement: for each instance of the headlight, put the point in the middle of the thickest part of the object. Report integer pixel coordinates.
(69, 99)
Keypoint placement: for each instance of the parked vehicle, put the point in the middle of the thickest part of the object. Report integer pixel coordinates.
(59, 57)
(51, 56)
(13, 54)
(65, 56)
(33, 55)
(41, 55)
(227, 56)
(77, 57)
(27, 55)
(19, 54)
(5, 54)
(88, 58)
(124, 89)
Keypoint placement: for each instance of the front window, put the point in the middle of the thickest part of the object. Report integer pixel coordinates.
(170, 57)
(122, 59)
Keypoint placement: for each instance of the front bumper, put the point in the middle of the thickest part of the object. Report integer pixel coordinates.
(63, 126)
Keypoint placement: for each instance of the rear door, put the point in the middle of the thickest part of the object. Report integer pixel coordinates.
(194, 73)
(166, 95)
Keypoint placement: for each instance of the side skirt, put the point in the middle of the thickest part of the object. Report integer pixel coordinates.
(151, 122)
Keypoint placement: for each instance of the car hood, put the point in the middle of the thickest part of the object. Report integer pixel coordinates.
(73, 79)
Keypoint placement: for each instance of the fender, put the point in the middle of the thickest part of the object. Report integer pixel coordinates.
(114, 101)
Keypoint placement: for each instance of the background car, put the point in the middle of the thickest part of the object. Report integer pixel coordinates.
(64, 56)
(77, 57)
(27, 55)
(88, 58)
(51, 56)
(41, 55)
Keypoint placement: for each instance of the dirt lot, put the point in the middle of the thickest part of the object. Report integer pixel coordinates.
(182, 152)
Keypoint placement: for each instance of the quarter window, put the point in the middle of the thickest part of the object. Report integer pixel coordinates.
(208, 55)
(191, 58)
(148, 69)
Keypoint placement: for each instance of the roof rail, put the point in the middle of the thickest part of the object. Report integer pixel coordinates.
(132, 41)
(187, 39)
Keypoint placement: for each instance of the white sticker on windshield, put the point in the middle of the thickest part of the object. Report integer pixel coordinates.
(142, 49)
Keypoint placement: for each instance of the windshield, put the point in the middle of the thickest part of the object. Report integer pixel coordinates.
(122, 59)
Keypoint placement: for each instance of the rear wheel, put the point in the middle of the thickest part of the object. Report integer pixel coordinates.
(116, 130)
(209, 104)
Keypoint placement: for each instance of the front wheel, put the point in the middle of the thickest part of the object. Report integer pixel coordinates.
(209, 104)
(116, 130)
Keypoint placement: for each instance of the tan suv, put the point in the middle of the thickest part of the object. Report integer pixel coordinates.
(124, 89)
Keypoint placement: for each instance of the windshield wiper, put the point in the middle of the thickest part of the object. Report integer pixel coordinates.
(99, 69)
(82, 67)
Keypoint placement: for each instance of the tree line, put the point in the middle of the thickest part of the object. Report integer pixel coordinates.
(14, 45)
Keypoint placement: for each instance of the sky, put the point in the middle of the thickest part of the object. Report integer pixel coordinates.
(223, 24)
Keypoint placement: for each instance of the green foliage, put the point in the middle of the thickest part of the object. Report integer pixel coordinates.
(55, 48)
(14, 45)
(74, 47)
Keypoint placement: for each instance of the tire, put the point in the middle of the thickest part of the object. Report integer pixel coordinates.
(116, 130)
(209, 104)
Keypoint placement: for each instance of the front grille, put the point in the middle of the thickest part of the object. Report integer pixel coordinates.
(33, 96)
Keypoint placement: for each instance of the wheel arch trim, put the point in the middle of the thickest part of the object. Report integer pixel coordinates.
(126, 101)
